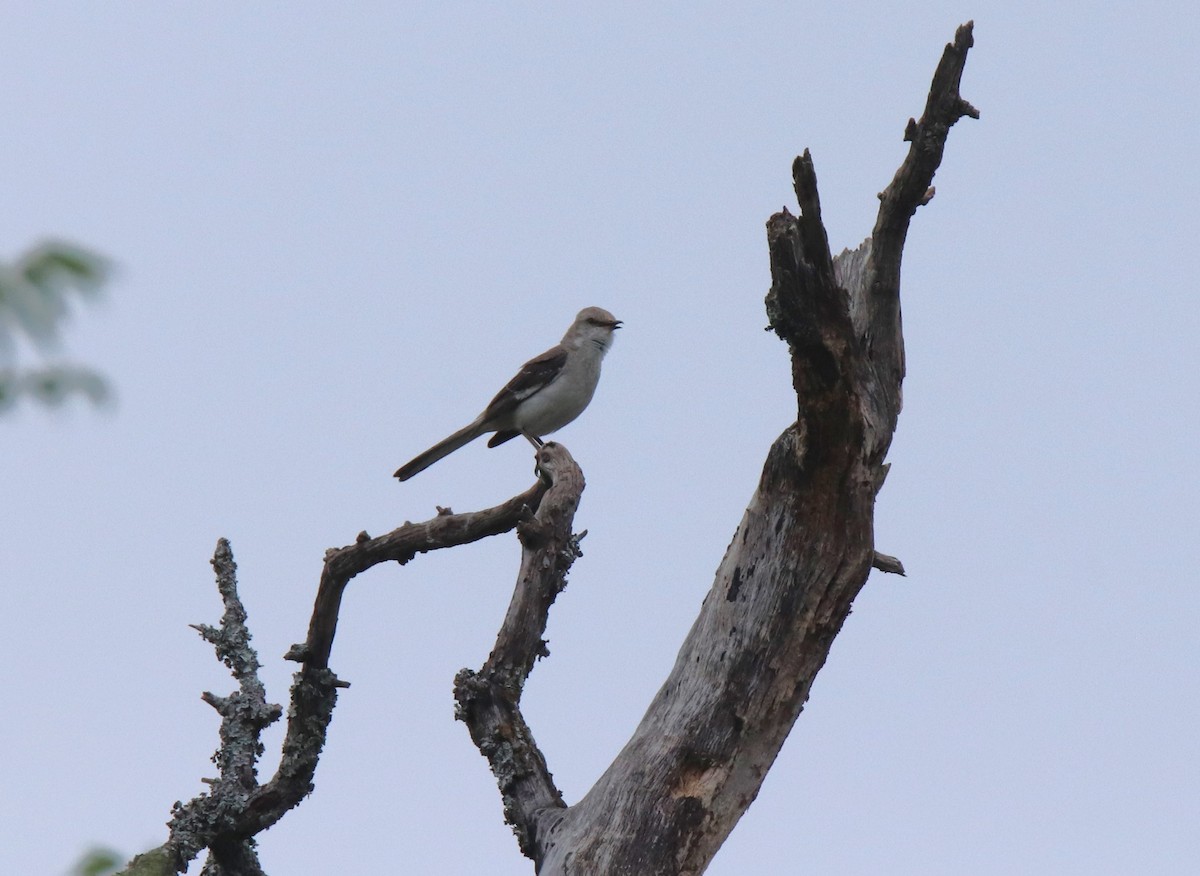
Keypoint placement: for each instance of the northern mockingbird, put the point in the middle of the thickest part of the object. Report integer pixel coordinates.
(548, 392)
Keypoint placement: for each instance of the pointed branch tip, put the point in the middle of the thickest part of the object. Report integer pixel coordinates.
(964, 37)
(885, 563)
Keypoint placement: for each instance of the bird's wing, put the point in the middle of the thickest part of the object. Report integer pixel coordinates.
(534, 376)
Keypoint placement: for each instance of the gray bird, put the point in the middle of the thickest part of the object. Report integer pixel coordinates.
(548, 392)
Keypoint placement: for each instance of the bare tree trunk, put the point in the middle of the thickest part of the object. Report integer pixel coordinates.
(801, 554)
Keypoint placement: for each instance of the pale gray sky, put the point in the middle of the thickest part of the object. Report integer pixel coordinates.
(341, 228)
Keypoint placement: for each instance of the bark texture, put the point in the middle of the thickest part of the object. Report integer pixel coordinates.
(489, 701)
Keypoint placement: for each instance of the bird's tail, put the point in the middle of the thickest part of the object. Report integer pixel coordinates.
(444, 447)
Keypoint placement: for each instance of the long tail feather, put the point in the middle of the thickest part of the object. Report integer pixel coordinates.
(444, 447)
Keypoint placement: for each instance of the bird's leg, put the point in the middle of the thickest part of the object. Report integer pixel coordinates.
(537, 457)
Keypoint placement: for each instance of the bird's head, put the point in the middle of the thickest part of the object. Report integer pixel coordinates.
(595, 325)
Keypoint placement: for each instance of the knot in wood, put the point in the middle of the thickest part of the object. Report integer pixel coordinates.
(533, 533)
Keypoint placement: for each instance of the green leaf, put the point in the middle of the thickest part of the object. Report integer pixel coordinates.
(52, 386)
(35, 289)
(60, 265)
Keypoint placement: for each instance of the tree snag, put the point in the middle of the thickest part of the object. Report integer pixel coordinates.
(800, 555)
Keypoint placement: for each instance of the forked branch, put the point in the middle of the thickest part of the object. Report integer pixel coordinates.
(236, 808)
(801, 554)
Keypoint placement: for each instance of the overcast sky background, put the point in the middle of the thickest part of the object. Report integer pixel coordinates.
(341, 229)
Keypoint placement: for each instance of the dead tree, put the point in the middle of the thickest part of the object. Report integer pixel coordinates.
(797, 560)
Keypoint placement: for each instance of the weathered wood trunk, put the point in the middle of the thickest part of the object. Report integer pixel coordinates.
(799, 557)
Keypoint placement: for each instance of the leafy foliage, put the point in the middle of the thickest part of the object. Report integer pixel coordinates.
(35, 295)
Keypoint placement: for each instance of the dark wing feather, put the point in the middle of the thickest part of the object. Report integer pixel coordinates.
(500, 437)
(535, 375)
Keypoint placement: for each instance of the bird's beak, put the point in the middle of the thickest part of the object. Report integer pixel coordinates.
(617, 324)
